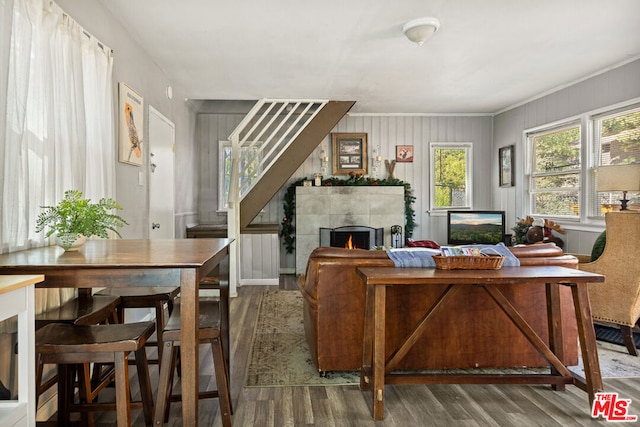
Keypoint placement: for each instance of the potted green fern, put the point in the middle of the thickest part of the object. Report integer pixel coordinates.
(75, 219)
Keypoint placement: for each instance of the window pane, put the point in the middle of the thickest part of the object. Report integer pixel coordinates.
(560, 203)
(556, 181)
(620, 139)
(226, 153)
(557, 151)
(609, 202)
(450, 177)
(249, 168)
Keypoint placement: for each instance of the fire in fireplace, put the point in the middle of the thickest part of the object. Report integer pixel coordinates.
(359, 237)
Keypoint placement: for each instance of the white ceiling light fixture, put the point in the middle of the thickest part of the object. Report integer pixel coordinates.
(420, 30)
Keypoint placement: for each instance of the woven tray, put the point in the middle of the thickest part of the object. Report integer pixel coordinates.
(486, 262)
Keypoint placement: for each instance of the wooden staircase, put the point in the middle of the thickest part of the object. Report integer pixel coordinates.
(290, 160)
(267, 147)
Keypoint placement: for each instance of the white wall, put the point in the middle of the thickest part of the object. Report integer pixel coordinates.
(607, 89)
(134, 67)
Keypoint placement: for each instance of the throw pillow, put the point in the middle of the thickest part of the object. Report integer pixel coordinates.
(422, 244)
(598, 246)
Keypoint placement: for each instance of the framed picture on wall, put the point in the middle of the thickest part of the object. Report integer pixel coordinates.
(404, 153)
(349, 153)
(130, 125)
(505, 160)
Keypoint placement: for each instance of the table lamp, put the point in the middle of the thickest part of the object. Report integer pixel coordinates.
(619, 178)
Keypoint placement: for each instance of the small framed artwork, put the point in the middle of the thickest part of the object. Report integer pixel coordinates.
(130, 125)
(505, 159)
(349, 153)
(404, 153)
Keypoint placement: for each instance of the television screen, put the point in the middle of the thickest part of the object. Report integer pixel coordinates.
(475, 227)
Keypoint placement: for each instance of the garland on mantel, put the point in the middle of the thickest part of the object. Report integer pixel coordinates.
(289, 204)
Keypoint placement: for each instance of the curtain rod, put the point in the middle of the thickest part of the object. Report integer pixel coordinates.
(65, 15)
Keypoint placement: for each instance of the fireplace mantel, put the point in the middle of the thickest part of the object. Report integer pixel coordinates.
(338, 206)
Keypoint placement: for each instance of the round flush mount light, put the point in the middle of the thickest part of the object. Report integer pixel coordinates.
(421, 29)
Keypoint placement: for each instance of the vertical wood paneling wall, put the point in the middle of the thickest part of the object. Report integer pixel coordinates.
(385, 131)
(260, 255)
(609, 89)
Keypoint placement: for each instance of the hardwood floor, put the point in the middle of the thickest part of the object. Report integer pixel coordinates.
(406, 405)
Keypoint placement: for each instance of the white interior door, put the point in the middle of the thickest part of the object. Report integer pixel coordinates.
(161, 176)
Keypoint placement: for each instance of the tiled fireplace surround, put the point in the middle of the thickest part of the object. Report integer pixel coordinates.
(330, 207)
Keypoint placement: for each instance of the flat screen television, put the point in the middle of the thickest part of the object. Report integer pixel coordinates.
(475, 227)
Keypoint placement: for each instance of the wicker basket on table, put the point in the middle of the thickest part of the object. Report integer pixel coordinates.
(484, 262)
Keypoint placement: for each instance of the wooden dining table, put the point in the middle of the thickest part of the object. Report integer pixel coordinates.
(125, 262)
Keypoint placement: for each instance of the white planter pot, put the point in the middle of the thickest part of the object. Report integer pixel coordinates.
(71, 245)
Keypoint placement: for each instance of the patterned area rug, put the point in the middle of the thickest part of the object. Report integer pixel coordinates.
(613, 336)
(280, 354)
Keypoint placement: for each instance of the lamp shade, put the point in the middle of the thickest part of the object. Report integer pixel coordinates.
(619, 178)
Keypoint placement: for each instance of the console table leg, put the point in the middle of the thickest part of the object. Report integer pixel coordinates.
(587, 336)
(554, 322)
(379, 304)
(367, 340)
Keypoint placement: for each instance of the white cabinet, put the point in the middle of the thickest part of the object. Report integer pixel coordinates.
(16, 299)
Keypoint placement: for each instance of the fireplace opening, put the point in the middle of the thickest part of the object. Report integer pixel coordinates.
(350, 239)
(362, 237)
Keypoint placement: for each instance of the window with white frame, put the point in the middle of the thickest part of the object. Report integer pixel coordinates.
(249, 166)
(450, 165)
(561, 183)
(555, 178)
(617, 142)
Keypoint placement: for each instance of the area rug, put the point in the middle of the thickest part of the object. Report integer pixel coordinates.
(613, 336)
(280, 355)
(279, 352)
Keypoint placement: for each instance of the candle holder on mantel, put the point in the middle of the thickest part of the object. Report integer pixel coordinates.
(324, 162)
(317, 180)
(377, 162)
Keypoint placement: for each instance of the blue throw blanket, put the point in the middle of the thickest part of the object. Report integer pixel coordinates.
(423, 257)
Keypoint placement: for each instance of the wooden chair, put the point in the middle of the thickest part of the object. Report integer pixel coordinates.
(69, 345)
(213, 329)
(85, 309)
(146, 297)
(617, 300)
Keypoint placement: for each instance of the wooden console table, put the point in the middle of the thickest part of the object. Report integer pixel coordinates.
(376, 371)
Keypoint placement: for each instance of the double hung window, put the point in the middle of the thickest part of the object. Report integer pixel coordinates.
(450, 165)
(555, 180)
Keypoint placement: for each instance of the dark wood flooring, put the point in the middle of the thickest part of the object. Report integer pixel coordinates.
(405, 405)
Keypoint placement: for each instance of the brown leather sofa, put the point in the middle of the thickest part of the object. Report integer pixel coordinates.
(472, 332)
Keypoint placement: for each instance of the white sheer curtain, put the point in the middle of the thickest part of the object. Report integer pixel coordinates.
(59, 118)
(59, 131)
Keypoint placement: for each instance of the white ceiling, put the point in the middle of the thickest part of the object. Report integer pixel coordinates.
(487, 56)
